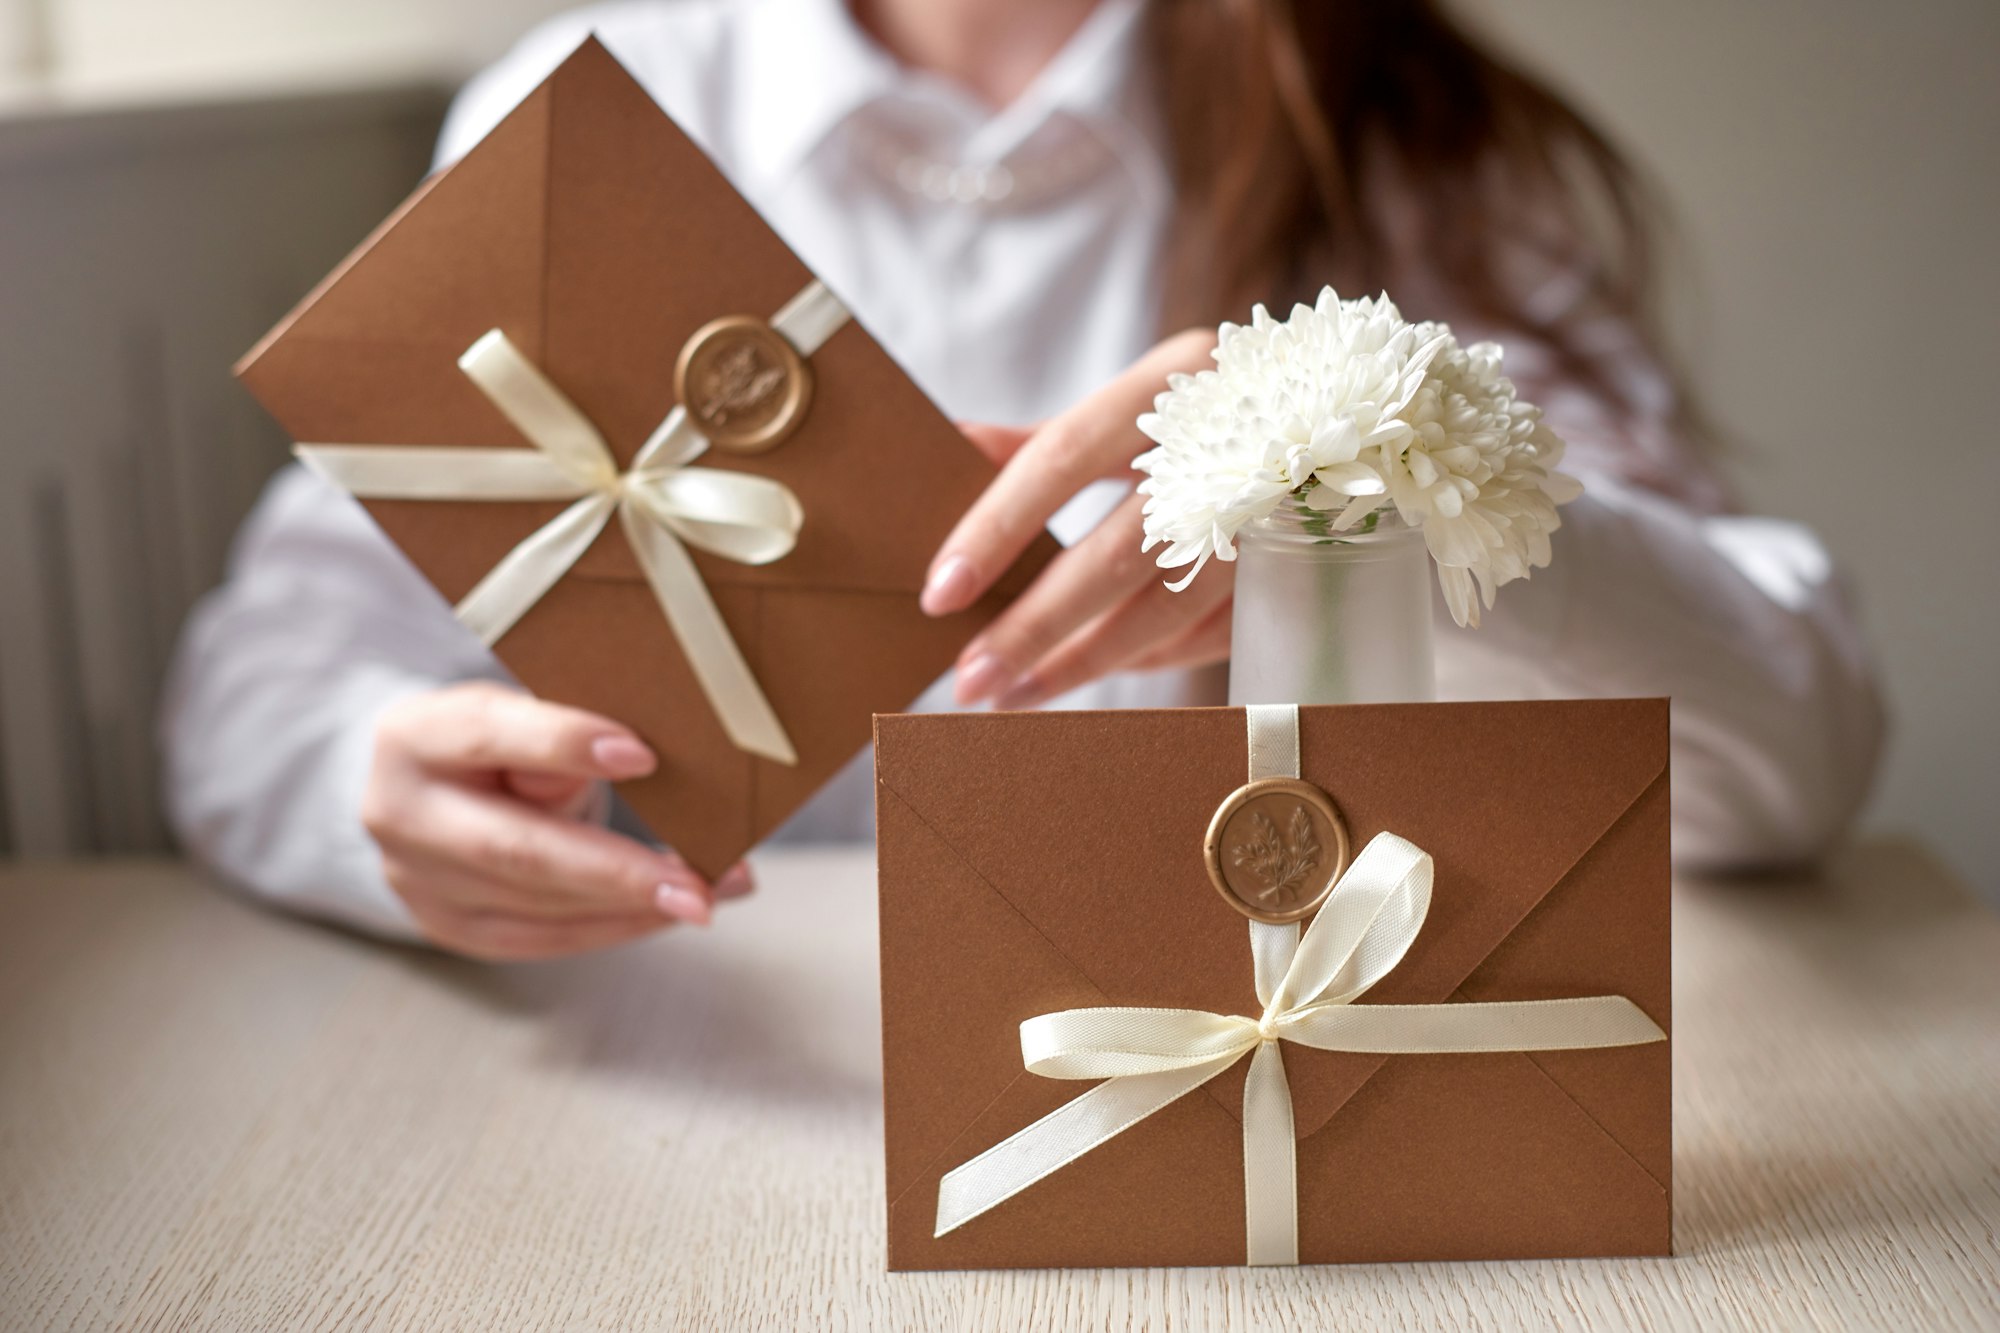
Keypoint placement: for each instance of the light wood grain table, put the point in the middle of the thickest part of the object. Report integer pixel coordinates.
(214, 1117)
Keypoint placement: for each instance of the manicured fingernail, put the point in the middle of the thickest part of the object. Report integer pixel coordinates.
(1024, 693)
(985, 675)
(951, 587)
(621, 756)
(682, 903)
(735, 882)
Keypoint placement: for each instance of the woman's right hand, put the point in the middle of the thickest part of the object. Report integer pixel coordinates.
(477, 798)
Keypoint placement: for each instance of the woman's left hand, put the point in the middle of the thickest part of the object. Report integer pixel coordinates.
(1102, 605)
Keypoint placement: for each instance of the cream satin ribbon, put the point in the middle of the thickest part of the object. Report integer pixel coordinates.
(1152, 1057)
(663, 505)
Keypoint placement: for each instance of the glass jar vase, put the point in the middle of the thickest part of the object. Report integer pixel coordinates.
(1331, 618)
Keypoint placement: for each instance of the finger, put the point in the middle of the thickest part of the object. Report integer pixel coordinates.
(735, 882)
(998, 443)
(1207, 642)
(421, 878)
(558, 793)
(1095, 438)
(487, 727)
(596, 870)
(1152, 614)
(418, 875)
(497, 937)
(1096, 574)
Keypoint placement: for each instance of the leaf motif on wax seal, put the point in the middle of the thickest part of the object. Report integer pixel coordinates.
(1263, 852)
(739, 381)
(1279, 862)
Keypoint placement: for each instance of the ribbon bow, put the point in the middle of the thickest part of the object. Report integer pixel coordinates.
(1151, 1057)
(663, 505)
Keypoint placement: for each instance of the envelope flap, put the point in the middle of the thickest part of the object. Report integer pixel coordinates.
(1091, 825)
(1506, 797)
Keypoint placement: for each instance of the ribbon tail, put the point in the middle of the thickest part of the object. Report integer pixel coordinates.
(398, 472)
(1584, 1023)
(1062, 1136)
(731, 687)
(1270, 1162)
(532, 568)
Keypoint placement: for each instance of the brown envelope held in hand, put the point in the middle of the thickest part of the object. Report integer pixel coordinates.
(1038, 862)
(598, 239)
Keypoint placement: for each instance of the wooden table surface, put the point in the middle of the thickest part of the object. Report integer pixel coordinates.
(214, 1117)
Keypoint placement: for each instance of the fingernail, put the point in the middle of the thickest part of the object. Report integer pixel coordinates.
(1023, 693)
(951, 587)
(984, 675)
(682, 903)
(621, 756)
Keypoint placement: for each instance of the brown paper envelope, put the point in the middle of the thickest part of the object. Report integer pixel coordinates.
(599, 238)
(1036, 862)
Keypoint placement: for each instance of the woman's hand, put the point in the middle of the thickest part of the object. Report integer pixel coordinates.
(476, 798)
(1101, 605)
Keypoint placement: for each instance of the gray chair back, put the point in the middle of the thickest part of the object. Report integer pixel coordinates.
(141, 252)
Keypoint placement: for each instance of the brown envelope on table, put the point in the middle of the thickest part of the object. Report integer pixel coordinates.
(1033, 862)
(598, 237)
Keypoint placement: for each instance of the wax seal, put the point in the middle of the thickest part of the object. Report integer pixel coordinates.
(744, 387)
(1275, 848)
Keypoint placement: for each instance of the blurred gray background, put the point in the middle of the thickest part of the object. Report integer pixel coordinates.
(174, 176)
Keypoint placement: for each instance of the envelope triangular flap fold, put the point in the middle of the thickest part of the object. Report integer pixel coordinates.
(937, 980)
(1604, 929)
(1091, 826)
(1506, 797)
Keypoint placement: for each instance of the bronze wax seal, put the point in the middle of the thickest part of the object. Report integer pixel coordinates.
(1275, 848)
(744, 387)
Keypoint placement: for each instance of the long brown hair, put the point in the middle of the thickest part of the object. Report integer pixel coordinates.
(1375, 144)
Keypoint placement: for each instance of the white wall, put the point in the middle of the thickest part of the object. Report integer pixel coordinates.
(1835, 165)
(22, 48)
(113, 43)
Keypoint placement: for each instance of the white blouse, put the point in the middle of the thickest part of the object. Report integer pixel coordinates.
(1010, 261)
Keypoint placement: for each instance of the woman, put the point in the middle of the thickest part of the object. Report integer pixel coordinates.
(1018, 197)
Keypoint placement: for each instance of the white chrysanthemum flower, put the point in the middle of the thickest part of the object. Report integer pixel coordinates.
(1365, 409)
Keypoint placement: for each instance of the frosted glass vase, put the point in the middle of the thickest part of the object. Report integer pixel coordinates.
(1331, 618)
